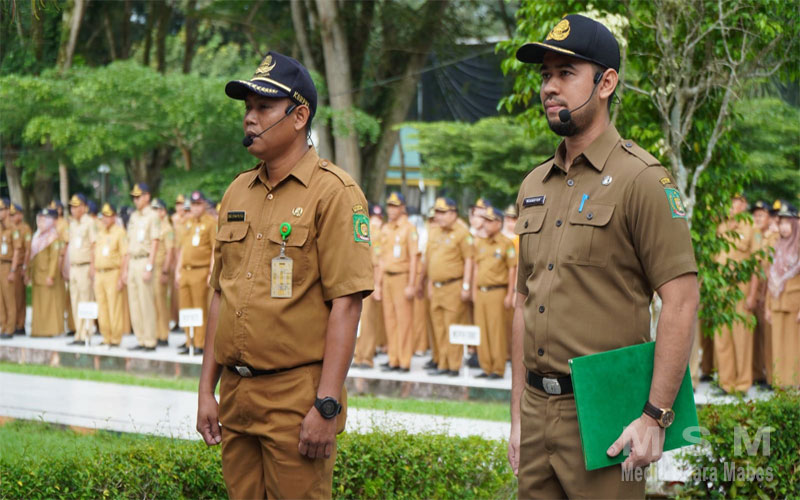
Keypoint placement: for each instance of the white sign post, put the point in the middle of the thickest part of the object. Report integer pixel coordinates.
(87, 311)
(190, 318)
(466, 335)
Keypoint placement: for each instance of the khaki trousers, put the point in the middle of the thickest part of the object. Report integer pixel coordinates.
(109, 305)
(162, 308)
(19, 295)
(447, 309)
(733, 349)
(68, 307)
(551, 456)
(126, 312)
(261, 418)
(142, 301)
(194, 294)
(397, 315)
(371, 322)
(421, 324)
(490, 316)
(8, 299)
(785, 348)
(80, 290)
(707, 361)
(762, 346)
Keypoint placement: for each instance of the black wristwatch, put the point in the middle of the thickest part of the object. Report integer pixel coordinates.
(664, 416)
(328, 407)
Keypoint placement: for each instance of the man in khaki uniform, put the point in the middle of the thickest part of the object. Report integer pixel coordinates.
(110, 248)
(395, 286)
(449, 274)
(495, 274)
(757, 296)
(25, 232)
(601, 228)
(144, 231)
(194, 266)
(178, 221)
(11, 250)
(82, 231)
(163, 265)
(291, 265)
(372, 324)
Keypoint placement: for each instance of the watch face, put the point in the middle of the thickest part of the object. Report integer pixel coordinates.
(668, 418)
(328, 409)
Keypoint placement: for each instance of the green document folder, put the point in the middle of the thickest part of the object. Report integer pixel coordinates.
(611, 389)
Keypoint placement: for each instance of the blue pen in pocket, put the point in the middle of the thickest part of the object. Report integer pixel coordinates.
(583, 200)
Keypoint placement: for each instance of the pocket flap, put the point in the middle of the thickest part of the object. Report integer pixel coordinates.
(233, 231)
(530, 222)
(297, 237)
(593, 214)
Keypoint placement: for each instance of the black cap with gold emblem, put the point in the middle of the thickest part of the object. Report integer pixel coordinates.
(576, 36)
(278, 76)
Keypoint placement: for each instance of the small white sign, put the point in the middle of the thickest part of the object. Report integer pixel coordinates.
(465, 334)
(87, 310)
(190, 317)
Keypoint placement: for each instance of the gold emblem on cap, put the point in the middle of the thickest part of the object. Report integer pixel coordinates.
(107, 210)
(560, 32)
(266, 66)
(136, 191)
(297, 212)
(776, 205)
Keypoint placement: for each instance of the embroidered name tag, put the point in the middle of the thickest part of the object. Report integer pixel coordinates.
(533, 201)
(235, 216)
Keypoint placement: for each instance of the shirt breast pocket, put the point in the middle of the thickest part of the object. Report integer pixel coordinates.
(529, 228)
(588, 241)
(231, 237)
(296, 249)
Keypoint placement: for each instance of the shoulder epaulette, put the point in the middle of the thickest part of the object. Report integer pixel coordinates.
(343, 176)
(640, 153)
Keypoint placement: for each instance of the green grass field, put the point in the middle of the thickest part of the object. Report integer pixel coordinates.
(498, 412)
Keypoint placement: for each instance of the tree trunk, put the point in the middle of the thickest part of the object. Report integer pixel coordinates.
(125, 32)
(324, 147)
(37, 34)
(109, 31)
(187, 157)
(13, 175)
(63, 182)
(148, 33)
(165, 12)
(340, 87)
(191, 36)
(42, 187)
(76, 19)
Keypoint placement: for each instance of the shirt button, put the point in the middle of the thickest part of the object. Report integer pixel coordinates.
(541, 309)
(570, 182)
(590, 216)
(238, 314)
(550, 266)
(526, 224)
(259, 236)
(541, 352)
(558, 223)
(249, 275)
(269, 196)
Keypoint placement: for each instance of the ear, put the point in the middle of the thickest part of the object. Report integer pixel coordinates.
(608, 83)
(301, 116)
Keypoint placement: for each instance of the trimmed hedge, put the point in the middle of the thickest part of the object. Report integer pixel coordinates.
(45, 461)
(719, 470)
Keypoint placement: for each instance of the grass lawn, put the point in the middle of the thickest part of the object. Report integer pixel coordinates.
(498, 412)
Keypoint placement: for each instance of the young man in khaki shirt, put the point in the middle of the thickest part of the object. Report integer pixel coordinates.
(108, 260)
(291, 265)
(26, 234)
(10, 259)
(82, 231)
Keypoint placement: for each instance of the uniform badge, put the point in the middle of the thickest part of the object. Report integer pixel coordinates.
(665, 180)
(606, 180)
(237, 216)
(360, 228)
(676, 206)
(358, 208)
(297, 212)
(534, 201)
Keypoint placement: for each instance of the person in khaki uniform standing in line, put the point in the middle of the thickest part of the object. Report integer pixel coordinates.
(11, 251)
(757, 296)
(372, 324)
(163, 264)
(395, 285)
(62, 225)
(47, 289)
(178, 220)
(82, 231)
(449, 274)
(144, 231)
(15, 211)
(601, 227)
(291, 265)
(194, 266)
(495, 274)
(108, 260)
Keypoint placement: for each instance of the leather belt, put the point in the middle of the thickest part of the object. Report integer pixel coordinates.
(395, 274)
(491, 287)
(107, 269)
(552, 386)
(79, 263)
(189, 268)
(245, 371)
(141, 256)
(6, 261)
(440, 284)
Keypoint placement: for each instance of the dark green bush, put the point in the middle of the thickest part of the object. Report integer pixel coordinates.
(44, 461)
(719, 470)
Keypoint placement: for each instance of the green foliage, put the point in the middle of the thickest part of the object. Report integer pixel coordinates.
(711, 469)
(43, 461)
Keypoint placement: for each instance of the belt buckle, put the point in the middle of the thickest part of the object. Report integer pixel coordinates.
(243, 371)
(438, 284)
(551, 386)
(484, 289)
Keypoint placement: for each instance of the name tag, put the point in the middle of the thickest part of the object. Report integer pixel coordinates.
(196, 240)
(533, 201)
(78, 241)
(106, 251)
(140, 235)
(281, 286)
(236, 216)
(397, 251)
(4, 248)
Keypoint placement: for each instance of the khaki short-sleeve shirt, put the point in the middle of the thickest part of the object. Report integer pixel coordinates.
(398, 242)
(494, 257)
(329, 245)
(10, 241)
(595, 242)
(447, 250)
(81, 236)
(199, 238)
(109, 247)
(143, 228)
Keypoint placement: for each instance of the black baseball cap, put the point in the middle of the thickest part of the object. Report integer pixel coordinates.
(278, 76)
(576, 36)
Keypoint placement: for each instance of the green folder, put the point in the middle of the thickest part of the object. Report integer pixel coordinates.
(611, 389)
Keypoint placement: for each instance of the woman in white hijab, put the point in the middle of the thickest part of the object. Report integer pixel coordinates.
(48, 303)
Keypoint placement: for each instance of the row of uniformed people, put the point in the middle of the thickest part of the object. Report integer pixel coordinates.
(129, 272)
(442, 273)
(769, 353)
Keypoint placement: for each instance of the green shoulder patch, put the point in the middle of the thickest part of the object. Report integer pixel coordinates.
(676, 206)
(360, 228)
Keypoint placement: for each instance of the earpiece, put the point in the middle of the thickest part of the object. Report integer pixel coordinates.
(597, 77)
(291, 108)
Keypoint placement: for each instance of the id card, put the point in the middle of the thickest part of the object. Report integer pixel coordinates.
(4, 248)
(78, 241)
(282, 277)
(196, 240)
(106, 251)
(140, 235)
(397, 251)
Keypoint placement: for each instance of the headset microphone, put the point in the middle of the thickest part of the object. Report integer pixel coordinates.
(565, 115)
(248, 139)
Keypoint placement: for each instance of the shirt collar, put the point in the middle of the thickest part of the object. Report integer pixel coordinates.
(302, 170)
(596, 154)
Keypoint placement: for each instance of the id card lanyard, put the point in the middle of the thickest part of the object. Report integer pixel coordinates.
(281, 286)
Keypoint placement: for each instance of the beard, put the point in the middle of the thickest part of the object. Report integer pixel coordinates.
(577, 123)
